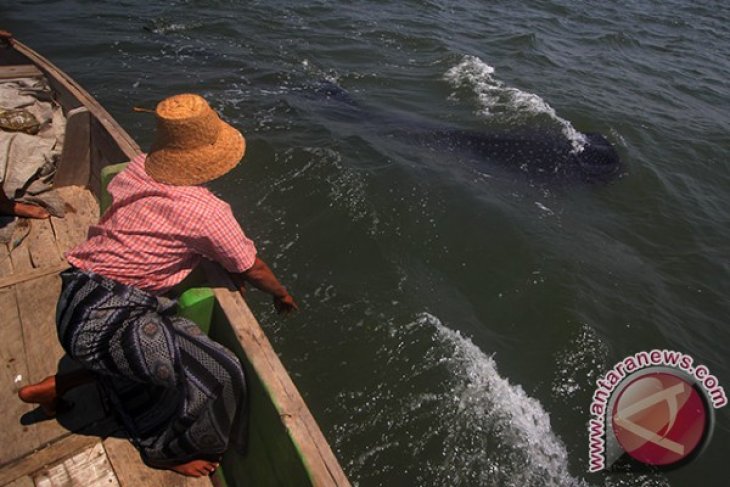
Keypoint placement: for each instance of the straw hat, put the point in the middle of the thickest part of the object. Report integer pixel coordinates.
(192, 144)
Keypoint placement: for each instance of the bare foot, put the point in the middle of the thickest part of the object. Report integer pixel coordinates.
(10, 207)
(196, 468)
(29, 211)
(43, 393)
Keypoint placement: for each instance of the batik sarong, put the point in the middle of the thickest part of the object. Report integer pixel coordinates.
(179, 395)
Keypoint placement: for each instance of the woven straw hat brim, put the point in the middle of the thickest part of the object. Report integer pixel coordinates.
(188, 167)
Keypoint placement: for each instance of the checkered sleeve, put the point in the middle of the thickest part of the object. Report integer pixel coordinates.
(221, 239)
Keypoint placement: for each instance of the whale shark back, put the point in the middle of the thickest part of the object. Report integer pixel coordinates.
(536, 153)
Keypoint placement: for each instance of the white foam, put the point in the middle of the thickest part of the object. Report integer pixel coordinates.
(579, 364)
(497, 98)
(164, 26)
(544, 208)
(433, 410)
(485, 406)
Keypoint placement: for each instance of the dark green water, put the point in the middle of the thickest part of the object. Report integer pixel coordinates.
(455, 316)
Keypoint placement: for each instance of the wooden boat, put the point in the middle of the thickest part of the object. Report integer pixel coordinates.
(83, 447)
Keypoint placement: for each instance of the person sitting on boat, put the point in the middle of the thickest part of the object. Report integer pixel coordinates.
(179, 394)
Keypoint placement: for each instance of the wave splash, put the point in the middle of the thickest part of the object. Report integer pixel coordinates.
(433, 410)
(497, 98)
(509, 434)
(463, 423)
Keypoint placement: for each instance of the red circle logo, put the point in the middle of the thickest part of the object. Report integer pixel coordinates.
(660, 419)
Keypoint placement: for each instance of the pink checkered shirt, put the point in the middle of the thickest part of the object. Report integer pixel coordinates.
(154, 234)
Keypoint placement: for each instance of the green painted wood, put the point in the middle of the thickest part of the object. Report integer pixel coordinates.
(258, 468)
(197, 304)
(107, 174)
(272, 457)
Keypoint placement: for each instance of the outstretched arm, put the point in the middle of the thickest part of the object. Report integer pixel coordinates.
(262, 277)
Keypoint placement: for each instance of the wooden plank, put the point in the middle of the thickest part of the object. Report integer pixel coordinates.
(55, 451)
(270, 449)
(107, 144)
(74, 166)
(21, 482)
(6, 265)
(17, 439)
(88, 205)
(322, 465)
(88, 468)
(61, 233)
(21, 277)
(131, 472)
(104, 152)
(272, 454)
(20, 255)
(19, 71)
(37, 310)
(42, 245)
(61, 229)
(82, 210)
(95, 183)
(87, 213)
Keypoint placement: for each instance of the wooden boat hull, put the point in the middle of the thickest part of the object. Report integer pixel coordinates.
(286, 445)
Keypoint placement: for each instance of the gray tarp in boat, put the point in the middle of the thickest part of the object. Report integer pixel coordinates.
(28, 161)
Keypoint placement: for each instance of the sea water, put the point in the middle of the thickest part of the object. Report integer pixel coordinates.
(455, 316)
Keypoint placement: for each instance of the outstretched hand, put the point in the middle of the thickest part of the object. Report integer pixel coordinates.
(260, 275)
(285, 304)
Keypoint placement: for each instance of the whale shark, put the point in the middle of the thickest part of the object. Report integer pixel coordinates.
(539, 155)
